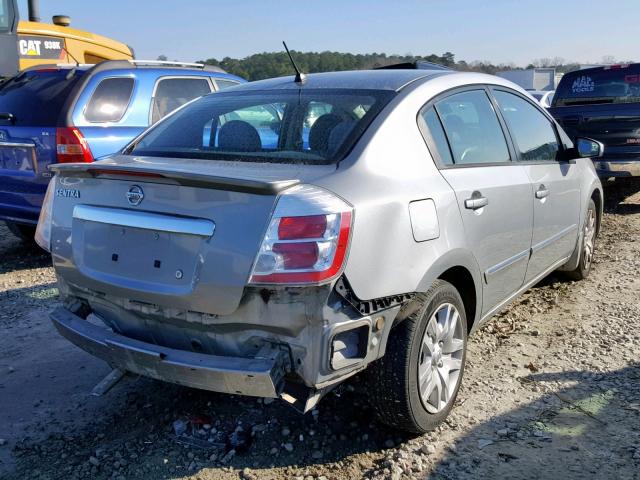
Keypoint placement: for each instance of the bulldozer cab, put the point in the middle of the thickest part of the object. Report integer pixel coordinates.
(25, 44)
(8, 37)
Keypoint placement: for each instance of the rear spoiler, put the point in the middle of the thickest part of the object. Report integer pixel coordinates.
(234, 184)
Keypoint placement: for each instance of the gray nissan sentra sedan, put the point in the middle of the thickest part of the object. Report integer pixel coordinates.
(277, 238)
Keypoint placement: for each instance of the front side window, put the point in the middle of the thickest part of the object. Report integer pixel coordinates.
(533, 133)
(472, 128)
(172, 93)
(110, 100)
(291, 126)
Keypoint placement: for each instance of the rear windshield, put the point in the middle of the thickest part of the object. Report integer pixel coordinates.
(292, 126)
(36, 97)
(608, 85)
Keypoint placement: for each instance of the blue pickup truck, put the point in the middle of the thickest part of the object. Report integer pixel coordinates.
(56, 114)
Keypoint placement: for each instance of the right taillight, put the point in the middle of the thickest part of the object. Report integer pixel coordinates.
(71, 146)
(307, 238)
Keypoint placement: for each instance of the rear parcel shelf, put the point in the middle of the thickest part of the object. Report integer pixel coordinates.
(235, 184)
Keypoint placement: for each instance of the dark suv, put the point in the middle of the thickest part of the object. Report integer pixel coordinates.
(604, 104)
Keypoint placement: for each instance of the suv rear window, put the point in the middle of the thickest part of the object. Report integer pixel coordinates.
(606, 85)
(291, 126)
(110, 100)
(36, 97)
(172, 93)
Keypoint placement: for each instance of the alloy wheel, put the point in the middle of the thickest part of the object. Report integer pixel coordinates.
(440, 359)
(589, 239)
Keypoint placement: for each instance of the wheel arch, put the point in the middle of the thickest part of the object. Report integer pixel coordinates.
(459, 268)
(462, 280)
(598, 198)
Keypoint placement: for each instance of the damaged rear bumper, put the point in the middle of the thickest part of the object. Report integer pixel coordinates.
(262, 376)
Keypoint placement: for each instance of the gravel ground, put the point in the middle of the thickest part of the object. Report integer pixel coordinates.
(552, 390)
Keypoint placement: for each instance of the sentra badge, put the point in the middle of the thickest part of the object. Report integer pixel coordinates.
(67, 192)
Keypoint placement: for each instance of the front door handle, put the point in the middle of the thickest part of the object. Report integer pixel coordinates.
(476, 201)
(542, 192)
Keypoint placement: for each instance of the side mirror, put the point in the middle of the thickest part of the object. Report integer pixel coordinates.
(589, 148)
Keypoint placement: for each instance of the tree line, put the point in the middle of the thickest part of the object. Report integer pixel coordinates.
(277, 64)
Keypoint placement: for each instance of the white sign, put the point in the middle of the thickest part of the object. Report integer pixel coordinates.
(583, 84)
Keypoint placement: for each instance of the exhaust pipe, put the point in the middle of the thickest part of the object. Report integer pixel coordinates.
(34, 10)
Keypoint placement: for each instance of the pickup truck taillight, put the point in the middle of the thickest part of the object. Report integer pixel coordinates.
(307, 238)
(71, 146)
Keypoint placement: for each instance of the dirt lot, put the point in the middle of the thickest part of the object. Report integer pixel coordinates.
(552, 390)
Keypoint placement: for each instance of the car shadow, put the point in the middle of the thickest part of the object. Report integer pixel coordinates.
(617, 196)
(17, 303)
(165, 431)
(586, 430)
(19, 255)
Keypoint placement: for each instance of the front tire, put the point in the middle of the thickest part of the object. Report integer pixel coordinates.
(414, 386)
(589, 233)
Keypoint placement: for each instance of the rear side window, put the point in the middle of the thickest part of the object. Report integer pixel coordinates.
(222, 84)
(110, 100)
(472, 128)
(438, 136)
(36, 97)
(607, 85)
(533, 133)
(172, 93)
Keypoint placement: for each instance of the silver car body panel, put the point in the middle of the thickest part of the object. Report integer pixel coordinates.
(203, 303)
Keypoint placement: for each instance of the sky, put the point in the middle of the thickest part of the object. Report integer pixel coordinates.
(499, 31)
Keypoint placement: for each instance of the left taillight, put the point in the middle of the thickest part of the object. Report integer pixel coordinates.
(43, 230)
(71, 146)
(307, 239)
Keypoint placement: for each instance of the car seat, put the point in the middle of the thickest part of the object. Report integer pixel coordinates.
(239, 136)
(320, 131)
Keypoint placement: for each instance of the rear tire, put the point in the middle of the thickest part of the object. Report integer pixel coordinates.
(589, 234)
(26, 233)
(414, 386)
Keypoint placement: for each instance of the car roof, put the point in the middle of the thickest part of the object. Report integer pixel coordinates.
(134, 65)
(393, 80)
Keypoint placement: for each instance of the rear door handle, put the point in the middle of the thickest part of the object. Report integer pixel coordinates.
(476, 201)
(542, 192)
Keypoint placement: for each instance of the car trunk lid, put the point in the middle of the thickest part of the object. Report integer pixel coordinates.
(178, 234)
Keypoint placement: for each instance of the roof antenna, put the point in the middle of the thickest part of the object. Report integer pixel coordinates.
(301, 78)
